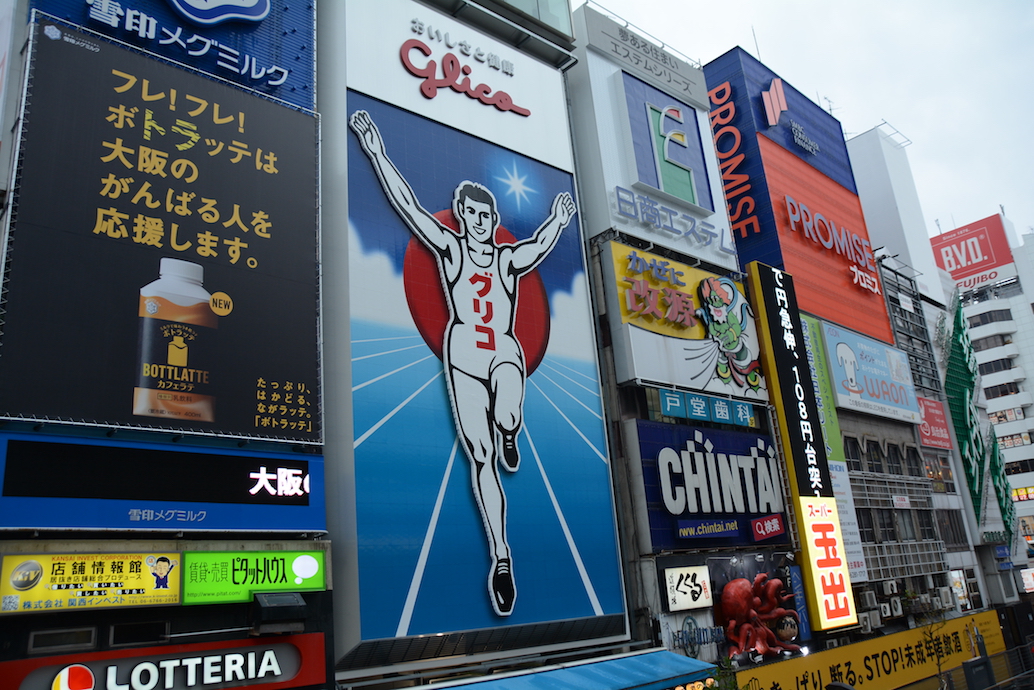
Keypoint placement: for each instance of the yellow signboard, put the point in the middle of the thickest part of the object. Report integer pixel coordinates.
(661, 295)
(885, 662)
(48, 582)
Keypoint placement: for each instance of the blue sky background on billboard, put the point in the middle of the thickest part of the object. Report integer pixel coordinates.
(949, 75)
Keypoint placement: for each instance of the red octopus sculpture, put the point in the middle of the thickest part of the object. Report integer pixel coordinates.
(752, 611)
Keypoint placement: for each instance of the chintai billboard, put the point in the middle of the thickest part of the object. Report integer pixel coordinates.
(706, 488)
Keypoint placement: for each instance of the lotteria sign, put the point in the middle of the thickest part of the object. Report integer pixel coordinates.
(271, 663)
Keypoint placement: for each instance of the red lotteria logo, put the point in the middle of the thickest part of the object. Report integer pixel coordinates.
(74, 677)
(454, 76)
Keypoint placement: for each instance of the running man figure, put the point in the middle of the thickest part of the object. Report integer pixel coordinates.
(484, 362)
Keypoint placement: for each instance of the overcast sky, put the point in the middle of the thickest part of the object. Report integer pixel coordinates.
(955, 78)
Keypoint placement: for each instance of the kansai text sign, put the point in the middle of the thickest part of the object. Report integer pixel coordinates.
(830, 601)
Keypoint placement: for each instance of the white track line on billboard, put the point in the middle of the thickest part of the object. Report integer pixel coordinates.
(586, 582)
(576, 429)
(554, 364)
(593, 391)
(391, 414)
(421, 561)
(387, 352)
(591, 411)
(395, 371)
(381, 340)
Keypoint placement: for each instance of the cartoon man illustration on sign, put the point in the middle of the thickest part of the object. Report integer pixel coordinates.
(729, 352)
(484, 362)
(160, 569)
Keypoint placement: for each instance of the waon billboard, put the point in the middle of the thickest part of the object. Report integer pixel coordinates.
(791, 193)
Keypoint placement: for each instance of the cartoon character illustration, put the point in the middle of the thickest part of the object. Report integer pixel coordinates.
(849, 361)
(729, 321)
(483, 360)
(160, 569)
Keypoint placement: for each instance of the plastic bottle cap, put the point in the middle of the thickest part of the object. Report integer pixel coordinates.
(182, 269)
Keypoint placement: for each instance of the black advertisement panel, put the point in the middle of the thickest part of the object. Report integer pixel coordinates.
(162, 257)
(779, 321)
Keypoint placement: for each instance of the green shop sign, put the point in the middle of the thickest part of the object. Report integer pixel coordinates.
(220, 577)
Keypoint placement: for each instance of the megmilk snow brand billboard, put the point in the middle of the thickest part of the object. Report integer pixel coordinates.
(58, 482)
(265, 45)
(176, 254)
(482, 481)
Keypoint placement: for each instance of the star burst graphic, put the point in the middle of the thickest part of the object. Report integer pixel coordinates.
(515, 185)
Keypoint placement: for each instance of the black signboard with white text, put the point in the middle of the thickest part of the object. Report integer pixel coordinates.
(161, 266)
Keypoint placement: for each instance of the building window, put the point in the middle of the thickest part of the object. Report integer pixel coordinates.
(885, 524)
(906, 528)
(952, 529)
(973, 585)
(874, 457)
(1011, 388)
(926, 529)
(981, 344)
(853, 454)
(938, 469)
(913, 463)
(894, 465)
(995, 366)
(990, 317)
(865, 528)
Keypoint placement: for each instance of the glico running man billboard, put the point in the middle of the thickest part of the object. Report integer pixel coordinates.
(481, 470)
(161, 265)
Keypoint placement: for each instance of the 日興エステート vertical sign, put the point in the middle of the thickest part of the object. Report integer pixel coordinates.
(830, 601)
(174, 251)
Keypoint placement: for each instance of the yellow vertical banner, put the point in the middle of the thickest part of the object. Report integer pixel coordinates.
(827, 578)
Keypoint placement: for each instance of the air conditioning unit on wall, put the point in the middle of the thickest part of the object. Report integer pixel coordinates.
(895, 606)
(869, 600)
(890, 587)
(875, 619)
(947, 597)
(865, 622)
(936, 603)
(885, 610)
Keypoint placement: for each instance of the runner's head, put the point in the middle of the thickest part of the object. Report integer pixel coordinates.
(474, 207)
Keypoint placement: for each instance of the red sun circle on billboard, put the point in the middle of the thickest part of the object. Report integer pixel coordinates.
(74, 677)
(427, 303)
